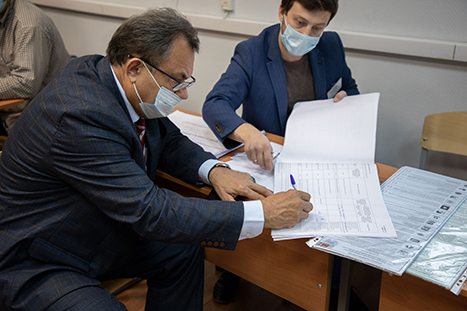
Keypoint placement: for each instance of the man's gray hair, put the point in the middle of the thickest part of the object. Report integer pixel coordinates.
(150, 35)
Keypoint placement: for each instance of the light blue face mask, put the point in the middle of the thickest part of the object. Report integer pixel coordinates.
(297, 43)
(164, 103)
(2, 5)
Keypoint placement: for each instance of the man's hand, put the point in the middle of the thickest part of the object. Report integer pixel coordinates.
(257, 146)
(286, 209)
(339, 96)
(229, 184)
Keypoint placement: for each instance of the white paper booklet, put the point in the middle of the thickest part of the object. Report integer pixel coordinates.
(329, 150)
(198, 132)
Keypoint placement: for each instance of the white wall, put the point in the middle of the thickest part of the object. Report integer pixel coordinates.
(413, 52)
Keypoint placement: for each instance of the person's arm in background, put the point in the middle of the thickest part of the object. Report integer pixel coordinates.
(225, 98)
(257, 146)
(31, 52)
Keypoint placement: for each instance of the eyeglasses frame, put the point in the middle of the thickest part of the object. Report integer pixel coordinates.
(180, 84)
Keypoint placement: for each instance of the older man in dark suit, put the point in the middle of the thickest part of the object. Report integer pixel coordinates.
(77, 198)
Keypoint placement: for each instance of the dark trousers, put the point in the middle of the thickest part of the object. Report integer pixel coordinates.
(175, 278)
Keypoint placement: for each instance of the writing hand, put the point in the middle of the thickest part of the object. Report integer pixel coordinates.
(286, 209)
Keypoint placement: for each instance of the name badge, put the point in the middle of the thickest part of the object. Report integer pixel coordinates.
(335, 88)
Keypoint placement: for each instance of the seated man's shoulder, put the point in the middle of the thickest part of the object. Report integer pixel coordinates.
(85, 82)
(330, 40)
(260, 44)
(264, 35)
(30, 15)
(330, 36)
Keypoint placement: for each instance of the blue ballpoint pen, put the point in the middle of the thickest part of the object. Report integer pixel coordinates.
(292, 181)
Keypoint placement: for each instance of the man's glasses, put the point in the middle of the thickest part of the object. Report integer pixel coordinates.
(179, 86)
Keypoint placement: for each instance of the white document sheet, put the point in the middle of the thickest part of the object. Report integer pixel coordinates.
(322, 131)
(262, 177)
(419, 203)
(198, 132)
(329, 149)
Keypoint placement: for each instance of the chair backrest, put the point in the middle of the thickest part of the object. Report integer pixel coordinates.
(445, 132)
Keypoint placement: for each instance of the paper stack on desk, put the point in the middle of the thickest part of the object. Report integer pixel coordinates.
(329, 149)
(198, 132)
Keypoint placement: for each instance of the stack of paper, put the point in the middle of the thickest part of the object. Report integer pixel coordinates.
(329, 149)
(198, 132)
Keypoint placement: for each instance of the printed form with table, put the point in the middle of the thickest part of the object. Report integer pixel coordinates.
(415, 222)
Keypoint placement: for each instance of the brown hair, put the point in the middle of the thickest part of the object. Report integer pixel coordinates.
(150, 35)
(313, 5)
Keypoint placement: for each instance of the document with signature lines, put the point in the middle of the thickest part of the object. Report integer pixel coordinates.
(329, 150)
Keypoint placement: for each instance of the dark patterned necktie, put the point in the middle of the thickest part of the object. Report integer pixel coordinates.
(141, 131)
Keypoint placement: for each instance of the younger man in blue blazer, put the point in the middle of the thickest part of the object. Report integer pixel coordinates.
(288, 62)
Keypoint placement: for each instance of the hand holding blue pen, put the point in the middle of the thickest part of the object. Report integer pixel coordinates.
(292, 181)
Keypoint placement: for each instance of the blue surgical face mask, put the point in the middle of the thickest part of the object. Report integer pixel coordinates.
(297, 43)
(2, 5)
(164, 103)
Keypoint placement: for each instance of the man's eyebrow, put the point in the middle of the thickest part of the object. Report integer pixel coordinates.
(303, 18)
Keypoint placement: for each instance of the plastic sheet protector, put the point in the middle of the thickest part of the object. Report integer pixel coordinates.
(420, 203)
(443, 261)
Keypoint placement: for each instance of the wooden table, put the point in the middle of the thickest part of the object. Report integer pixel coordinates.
(289, 269)
(10, 102)
(299, 274)
(410, 293)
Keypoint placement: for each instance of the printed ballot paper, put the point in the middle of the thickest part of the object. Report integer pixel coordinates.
(329, 151)
(420, 203)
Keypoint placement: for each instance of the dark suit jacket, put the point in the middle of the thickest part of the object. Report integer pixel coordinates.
(75, 196)
(256, 78)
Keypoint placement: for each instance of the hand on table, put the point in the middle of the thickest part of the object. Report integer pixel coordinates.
(286, 209)
(229, 184)
(257, 146)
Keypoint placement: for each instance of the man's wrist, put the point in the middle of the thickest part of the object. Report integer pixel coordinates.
(220, 164)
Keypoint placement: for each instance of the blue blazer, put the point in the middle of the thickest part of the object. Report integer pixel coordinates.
(256, 78)
(75, 195)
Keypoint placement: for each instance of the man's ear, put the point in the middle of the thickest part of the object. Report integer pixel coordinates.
(281, 13)
(133, 68)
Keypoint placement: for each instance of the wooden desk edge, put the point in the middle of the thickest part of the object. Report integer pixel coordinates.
(10, 102)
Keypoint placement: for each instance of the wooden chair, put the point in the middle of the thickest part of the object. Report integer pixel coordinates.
(444, 132)
(115, 286)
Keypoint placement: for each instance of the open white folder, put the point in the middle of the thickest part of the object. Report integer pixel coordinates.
(329, 150)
